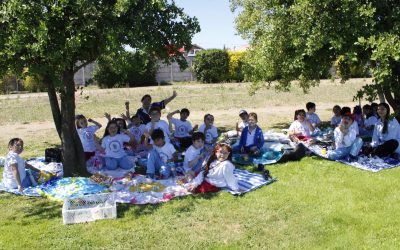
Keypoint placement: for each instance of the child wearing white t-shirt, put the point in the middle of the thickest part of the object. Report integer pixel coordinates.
(156, 123)
(336, 118)
(183, 128)
(311, 115)
(161, 156)
(217, 173)
(87, 134)
(195, 155)
(15, 175)
(370, 121)
(301, 128)
(210, 131)
(113, 145)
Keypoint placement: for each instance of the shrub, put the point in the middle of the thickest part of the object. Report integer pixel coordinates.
(236, 62)
(212, 65)
(33, 84)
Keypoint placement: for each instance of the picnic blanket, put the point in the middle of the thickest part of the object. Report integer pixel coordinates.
(70, 188)
(373, 164)
(31, 191)
(140, 190)
(271, 152)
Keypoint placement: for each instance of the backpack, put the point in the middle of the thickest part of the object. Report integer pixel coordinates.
(53, 155)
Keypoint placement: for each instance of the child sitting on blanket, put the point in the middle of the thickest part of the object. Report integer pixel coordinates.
(311, 115)
(386, 136)
(210, 131)
(336, 118)
(87, 135)
(156, 123)
(354, 125)
(15, 174)
(195, 155)
(301, 128)
(252, 138)
(369, 121)
(345, 135)
(113, 144)
(161, 156)
(244, 116)
(217, 173)
(183, 128)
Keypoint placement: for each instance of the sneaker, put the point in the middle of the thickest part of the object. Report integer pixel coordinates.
(266, 174)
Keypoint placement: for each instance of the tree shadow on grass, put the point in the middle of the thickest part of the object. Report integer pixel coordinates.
(42, 209)
(182, 204)
(281, 125)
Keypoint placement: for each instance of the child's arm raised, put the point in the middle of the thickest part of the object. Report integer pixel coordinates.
(107, 116)
(169, 99)
(127, 109)
(94, 122)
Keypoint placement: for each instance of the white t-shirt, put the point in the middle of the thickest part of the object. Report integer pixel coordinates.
(87, 136)
(335, 121)
(300, 127)
(137, 132)
(8, 177)
(220, 175)
(114, 145)
(190, 154)
(182, 128)
(166, 152)
(371, 121)
(354, 126)
(393, 132)
(211, 134)
(161, 124)
(314, 119)
(347, 140)
(242, 125)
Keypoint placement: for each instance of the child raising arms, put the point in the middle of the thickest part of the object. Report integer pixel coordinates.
(183, 128)
(15, 175)
(87, 134)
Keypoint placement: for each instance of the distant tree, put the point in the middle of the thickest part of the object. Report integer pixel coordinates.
(126, 68)
(54, 39)
(299, 40)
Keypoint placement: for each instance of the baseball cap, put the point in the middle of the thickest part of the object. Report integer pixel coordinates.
(242, 111)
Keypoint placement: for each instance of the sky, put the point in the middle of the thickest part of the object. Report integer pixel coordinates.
(216, 22)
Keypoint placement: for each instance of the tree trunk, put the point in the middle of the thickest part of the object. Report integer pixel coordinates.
(73, 157)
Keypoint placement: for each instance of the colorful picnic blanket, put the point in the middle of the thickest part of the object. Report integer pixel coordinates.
(140, 190)
(271, 153)
(70, 188)
(373, 164)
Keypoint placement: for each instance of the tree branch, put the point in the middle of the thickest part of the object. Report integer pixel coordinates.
(77, 68)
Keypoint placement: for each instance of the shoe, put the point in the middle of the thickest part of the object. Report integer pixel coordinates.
(266, 174)
(260, 167)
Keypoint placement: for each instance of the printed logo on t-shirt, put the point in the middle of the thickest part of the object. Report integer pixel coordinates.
(209, 137)
(163, 157)
(115, 146)
(88, 135)
(136, 131)
(182, 130)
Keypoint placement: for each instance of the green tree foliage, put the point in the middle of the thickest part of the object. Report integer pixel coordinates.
(212, 65)
(126, 69)
(54, 39)
(299, 40)
(236, 65)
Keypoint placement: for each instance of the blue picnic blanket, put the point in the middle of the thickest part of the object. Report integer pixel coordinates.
(70, 188)
(249, 181)
(31, 191)
(373, 164)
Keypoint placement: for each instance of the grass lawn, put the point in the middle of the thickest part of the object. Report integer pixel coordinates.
(315, 204)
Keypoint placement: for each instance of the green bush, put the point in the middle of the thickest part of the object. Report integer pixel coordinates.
(126, 69)
(212, 65)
